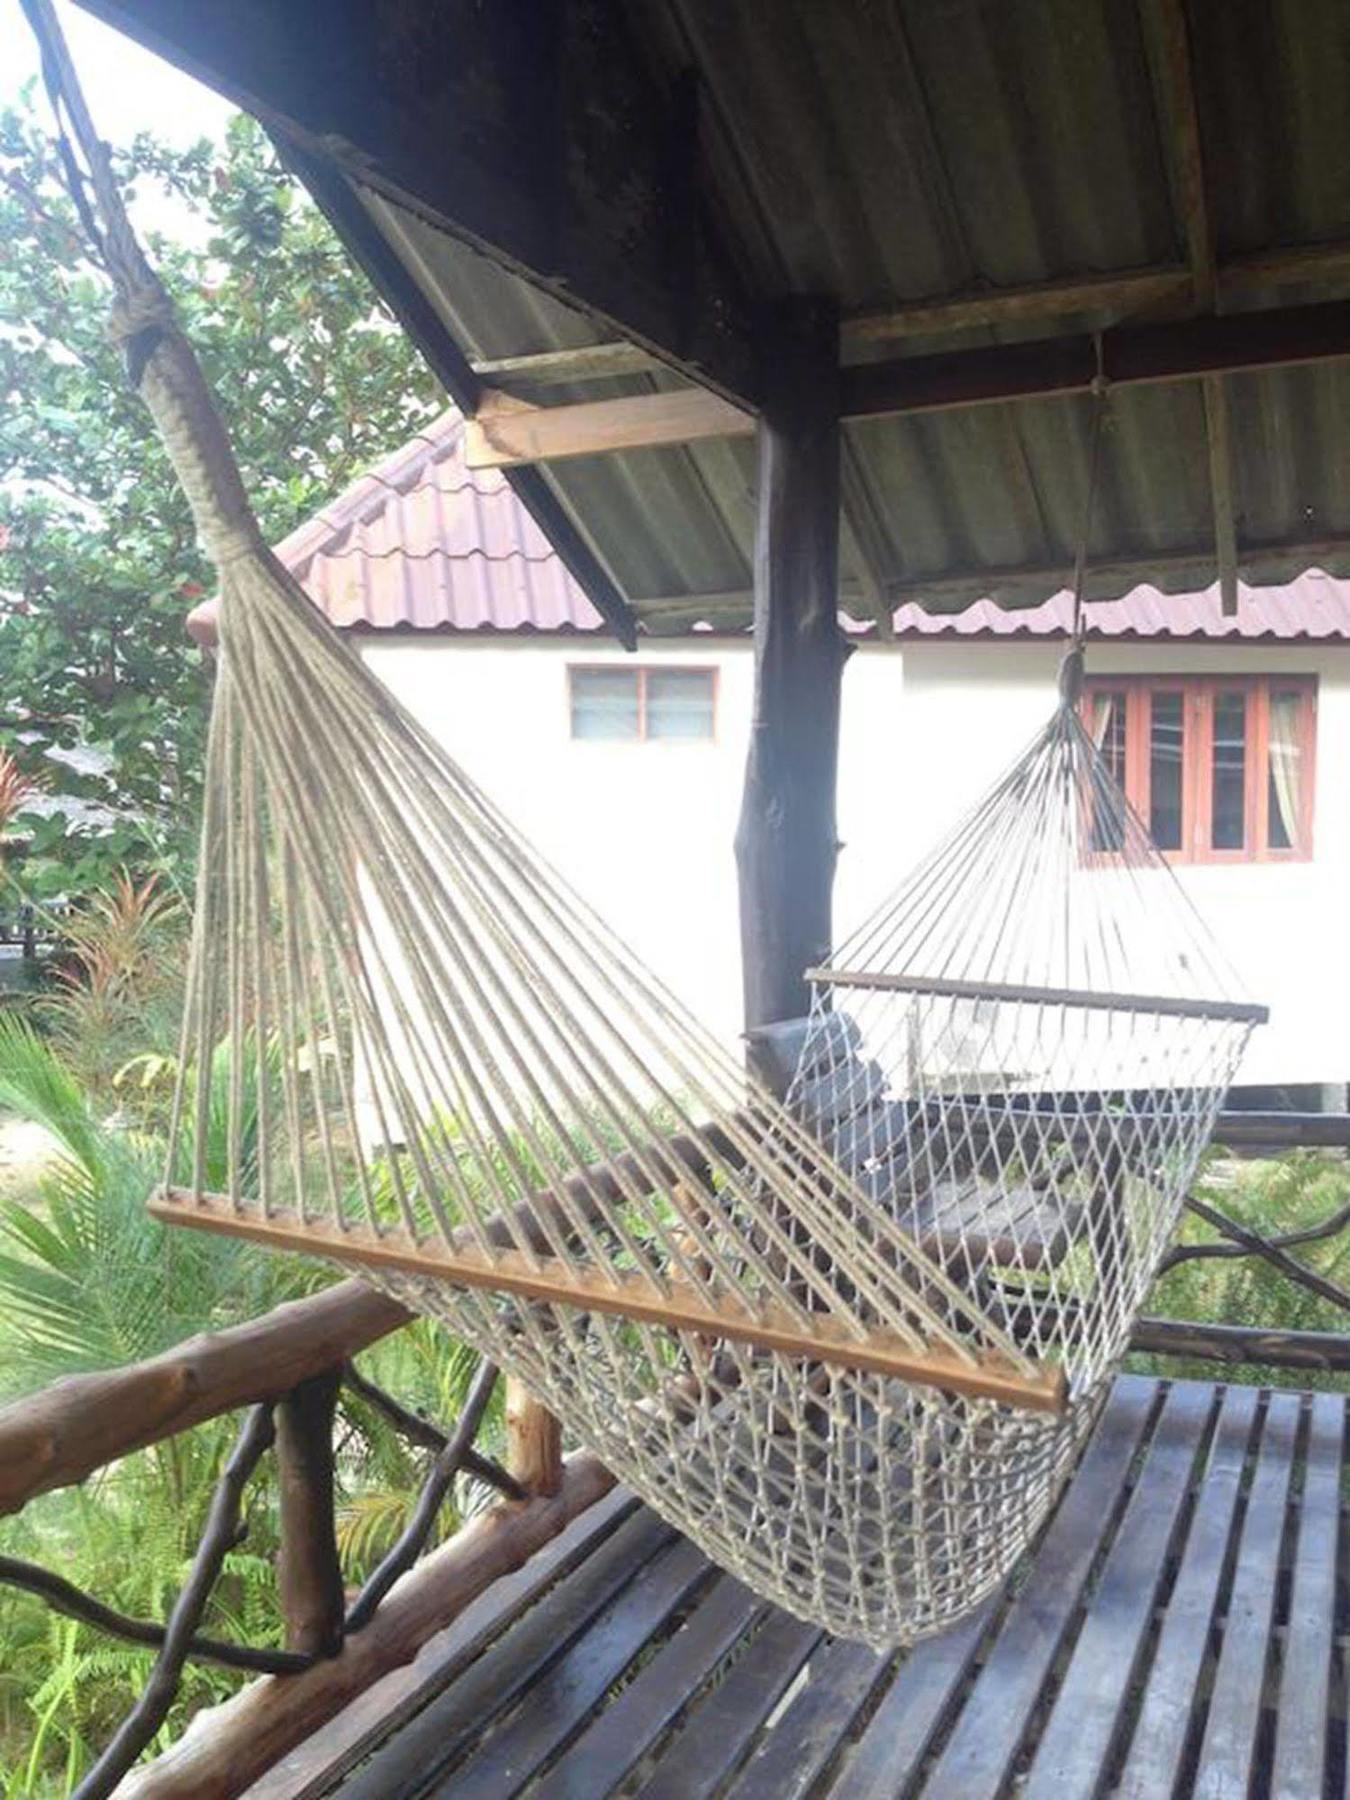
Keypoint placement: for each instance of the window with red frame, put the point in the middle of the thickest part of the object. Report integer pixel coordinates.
(1219, 767)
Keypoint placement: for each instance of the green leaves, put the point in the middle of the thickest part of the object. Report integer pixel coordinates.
(96, 543)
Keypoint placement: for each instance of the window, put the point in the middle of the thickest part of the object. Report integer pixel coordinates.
(1220, 768)
(643, 705)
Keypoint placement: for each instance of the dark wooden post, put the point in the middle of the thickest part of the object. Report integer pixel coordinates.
(786, 842)
(309, 1574)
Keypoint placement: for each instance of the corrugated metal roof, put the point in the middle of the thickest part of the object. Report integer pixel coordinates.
(887, 153)
(1314, 608)
(424, 544)
(878, 152)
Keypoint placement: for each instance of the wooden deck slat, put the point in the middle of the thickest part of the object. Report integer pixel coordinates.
(919, 1700)
(1078, 1737)
(310, 1771)
(700, 1759)
(452, 1722)
(977, 1758)
(557, 1704)
(1229, 1745)
(610, 1748)
(1305, 1679)
(806, 1739)
(1158, 1741)
(743, 1702)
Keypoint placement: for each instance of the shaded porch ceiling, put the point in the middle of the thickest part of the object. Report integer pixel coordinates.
(979, 185)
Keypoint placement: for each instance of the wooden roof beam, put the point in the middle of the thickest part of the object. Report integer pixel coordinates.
(1130, 293)
(537, 136)
(1180, 350)
(1169, 43)
(509, 432)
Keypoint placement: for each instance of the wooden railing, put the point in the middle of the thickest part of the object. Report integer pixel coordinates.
(1262, 1134)
(287, 1374)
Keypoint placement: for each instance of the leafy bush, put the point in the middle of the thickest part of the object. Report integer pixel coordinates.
(1289, 1194)
(88, 1280)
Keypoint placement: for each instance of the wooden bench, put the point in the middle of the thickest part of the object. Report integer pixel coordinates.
(966, 1217)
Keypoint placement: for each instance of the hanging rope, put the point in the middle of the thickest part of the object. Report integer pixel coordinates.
(1072, 668)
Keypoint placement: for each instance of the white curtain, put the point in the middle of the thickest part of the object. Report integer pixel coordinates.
(1103, 711)
(1284, 763)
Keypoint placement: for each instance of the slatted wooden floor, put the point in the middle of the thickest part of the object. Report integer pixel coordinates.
(1181, 1630)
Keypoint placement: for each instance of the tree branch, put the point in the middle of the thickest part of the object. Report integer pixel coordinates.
(149, 1712)
(430, 1436)
(66, 1598)
(1253, 1243)
(415, 1533)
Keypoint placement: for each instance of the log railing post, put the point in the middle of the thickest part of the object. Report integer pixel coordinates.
(787, 839)
(534, 1442)
(309, 1572)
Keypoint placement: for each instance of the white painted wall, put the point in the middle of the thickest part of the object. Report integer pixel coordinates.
(645, 831)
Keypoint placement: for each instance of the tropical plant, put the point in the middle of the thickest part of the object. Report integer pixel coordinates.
(117, 992)
(88, 1280)
(1291, 1193)
(98, 561)
(17, 790)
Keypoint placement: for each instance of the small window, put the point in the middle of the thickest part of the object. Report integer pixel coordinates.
(1220, 768)
(643, 705)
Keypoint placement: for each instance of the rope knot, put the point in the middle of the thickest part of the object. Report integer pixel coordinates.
(144, 308)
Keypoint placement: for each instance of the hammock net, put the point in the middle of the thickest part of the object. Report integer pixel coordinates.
(847, 1341)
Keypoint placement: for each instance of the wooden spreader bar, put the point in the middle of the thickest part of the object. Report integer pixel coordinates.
(1090, 998)
(633, 1296)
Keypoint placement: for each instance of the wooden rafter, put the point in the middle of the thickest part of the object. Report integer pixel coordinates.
(586, 362)
(505, 433)
(1169, 40)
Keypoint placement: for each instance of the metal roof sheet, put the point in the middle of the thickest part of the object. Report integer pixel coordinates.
(424, 544)
(1313, 608)
(889, 153)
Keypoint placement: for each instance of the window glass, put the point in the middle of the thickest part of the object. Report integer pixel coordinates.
(1285, 774)
(679, 703)
(1108, 732)
(605, 703)
(1229, 774)
(1166, 729)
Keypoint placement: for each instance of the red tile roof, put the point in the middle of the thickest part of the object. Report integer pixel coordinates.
(1312, 607)
(423, 543)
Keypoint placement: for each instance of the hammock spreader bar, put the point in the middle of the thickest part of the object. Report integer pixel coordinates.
(626, 1295)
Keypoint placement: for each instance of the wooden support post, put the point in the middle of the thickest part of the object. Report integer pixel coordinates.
(786, 843)
(534, 1442)
(309, 1573)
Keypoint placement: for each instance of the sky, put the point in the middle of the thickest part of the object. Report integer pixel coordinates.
(128, 88)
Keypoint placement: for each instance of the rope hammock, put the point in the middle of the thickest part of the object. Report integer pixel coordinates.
(847, 1343)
